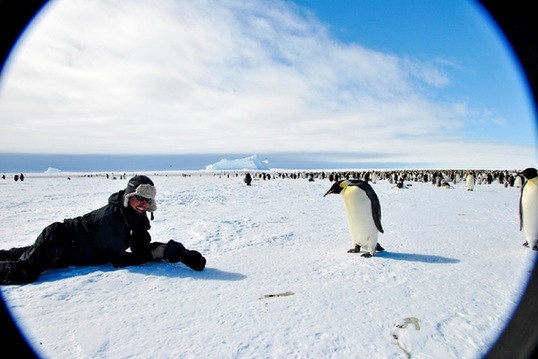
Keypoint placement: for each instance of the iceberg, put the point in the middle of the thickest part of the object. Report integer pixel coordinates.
(52, 170)
(247, 163)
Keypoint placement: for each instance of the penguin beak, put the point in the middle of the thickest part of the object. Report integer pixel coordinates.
(335, 188)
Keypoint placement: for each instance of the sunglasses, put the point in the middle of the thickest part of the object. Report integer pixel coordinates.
(142, 199)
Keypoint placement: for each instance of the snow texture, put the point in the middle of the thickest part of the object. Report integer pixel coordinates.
(279, 282)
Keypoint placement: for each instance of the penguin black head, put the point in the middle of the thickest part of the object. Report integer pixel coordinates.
(529, 173)
(336, 188)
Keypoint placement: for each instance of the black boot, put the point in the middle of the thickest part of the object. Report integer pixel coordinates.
(12, 254)
(16, 272)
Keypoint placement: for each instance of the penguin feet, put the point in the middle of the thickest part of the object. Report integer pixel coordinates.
(535, 248)
(355, 249)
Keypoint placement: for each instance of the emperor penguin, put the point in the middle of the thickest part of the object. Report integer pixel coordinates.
(470, 181)
(528, 208)
(518, 181)
(363, 213)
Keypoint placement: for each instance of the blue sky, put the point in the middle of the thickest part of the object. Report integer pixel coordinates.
(421, 83)
(459, 32)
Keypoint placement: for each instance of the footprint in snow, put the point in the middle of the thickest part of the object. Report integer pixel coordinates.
(406, 322)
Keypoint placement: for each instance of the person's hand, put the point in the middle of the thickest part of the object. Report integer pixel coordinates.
(173, 251)
(176, 252)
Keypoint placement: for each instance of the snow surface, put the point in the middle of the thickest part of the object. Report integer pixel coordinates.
(279, 282)
(247, 163)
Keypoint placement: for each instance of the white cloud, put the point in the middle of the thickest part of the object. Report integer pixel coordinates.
(212, 76)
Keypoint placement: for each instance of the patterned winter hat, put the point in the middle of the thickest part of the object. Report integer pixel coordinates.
(141, 186)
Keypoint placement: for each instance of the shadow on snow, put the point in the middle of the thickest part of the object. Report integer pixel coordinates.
(412, 257)
(160, 269)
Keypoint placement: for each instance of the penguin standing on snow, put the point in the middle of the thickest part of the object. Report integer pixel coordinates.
(248, 179)
(518, 180)
(363, 213)
(470, 181)
(528, 208)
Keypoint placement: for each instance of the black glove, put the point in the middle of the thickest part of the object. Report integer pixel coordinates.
(176, 252)
(194, 260)
(173, 251)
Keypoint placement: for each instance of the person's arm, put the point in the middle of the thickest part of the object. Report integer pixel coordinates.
(142, 251)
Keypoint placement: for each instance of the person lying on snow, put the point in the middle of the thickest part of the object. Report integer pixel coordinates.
(101, 236)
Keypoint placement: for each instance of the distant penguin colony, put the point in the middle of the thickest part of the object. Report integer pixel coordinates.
(363, 212)
(528, 208)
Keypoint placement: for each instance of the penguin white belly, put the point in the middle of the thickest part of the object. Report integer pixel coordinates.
(360, 218)
(518, 182)
(469, 182)
(529, 205)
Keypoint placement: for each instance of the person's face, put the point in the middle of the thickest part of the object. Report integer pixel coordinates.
(139, 204)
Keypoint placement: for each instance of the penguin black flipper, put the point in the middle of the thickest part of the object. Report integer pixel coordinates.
(374, 200)
(521, 207)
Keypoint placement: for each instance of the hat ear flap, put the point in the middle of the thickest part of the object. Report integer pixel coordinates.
(126, 199)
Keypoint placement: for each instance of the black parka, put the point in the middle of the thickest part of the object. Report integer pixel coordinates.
(105, 234)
